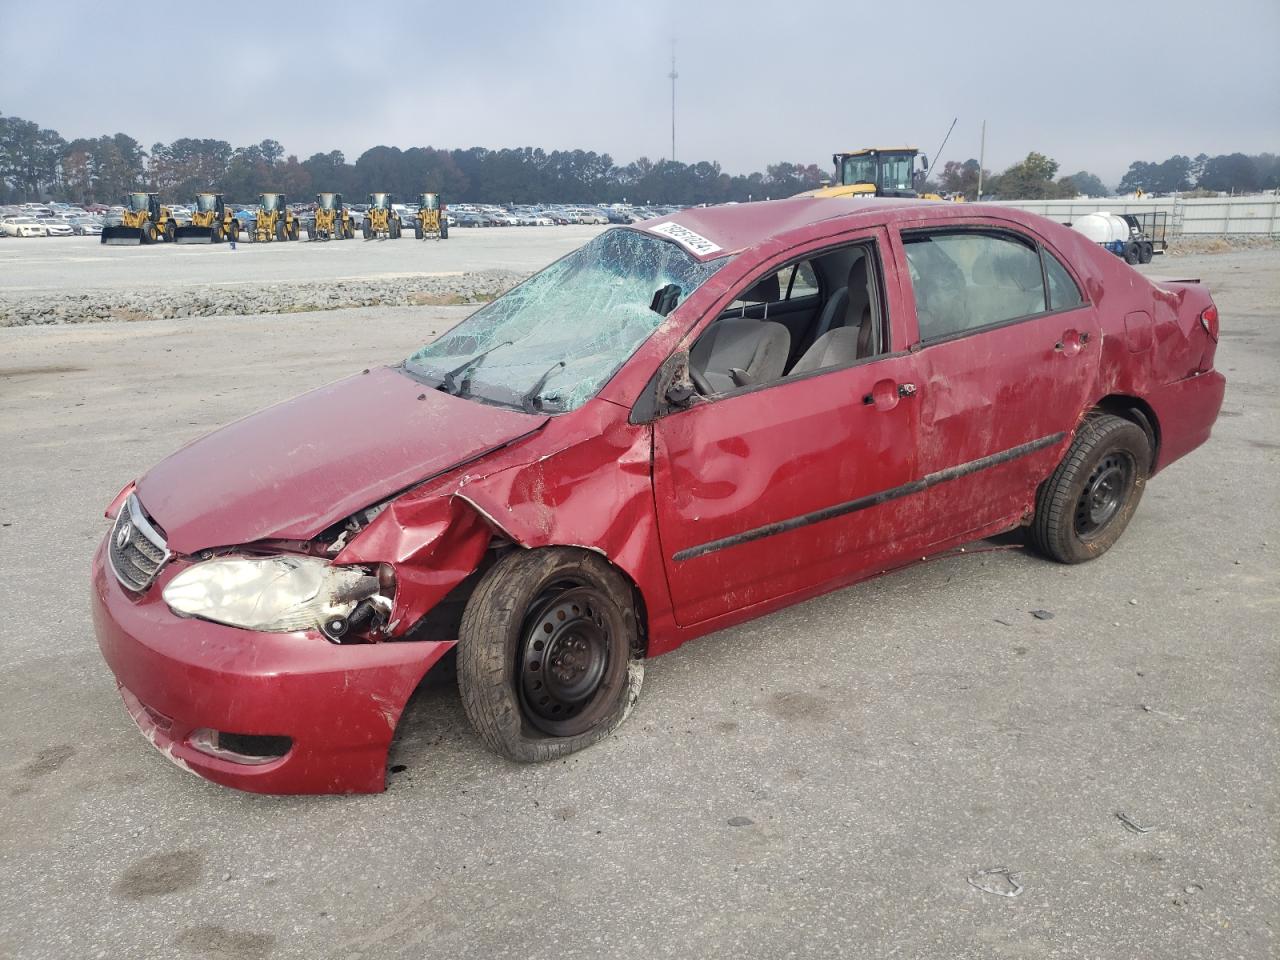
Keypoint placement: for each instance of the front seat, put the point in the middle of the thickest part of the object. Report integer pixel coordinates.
(735, 353)
(835, 348)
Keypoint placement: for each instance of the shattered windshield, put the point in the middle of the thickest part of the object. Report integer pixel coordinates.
(552, 342)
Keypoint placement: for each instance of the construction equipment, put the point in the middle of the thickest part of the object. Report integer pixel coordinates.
(430, 220)
(380, 220)
(875, 172)
(143, 221)
(275, 221)
(332, 219)
(211, 222)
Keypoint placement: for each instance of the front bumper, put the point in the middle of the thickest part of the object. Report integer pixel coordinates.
(339, 705)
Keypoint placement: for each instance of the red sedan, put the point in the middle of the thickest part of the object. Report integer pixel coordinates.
(683, 425)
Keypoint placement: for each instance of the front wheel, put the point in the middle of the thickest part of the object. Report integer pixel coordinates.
(548, 653)
(1132, 254)
(444, 230)
(1145, 252)
(368, 234)
(1084, 507)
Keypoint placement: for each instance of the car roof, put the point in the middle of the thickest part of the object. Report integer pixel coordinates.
(734, 227)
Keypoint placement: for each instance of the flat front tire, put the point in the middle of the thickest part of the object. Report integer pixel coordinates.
(1085, 505)
(548, 653)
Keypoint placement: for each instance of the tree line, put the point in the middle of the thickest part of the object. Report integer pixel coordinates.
(39, 164)
(1036, 177)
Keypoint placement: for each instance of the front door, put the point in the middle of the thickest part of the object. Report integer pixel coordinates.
(793, 486)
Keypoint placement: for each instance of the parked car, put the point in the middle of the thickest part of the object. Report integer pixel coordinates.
(54, 227)
(23, 227)
(86, 227)
(678, 427)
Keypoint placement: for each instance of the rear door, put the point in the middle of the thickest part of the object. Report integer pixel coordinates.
(1009, 352)
(789, 487)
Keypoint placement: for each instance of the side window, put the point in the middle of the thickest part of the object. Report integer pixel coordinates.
(968, 280)
(801, 281)
(1063, 292)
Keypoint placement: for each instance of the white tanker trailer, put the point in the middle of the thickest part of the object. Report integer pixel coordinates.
(1136, 237)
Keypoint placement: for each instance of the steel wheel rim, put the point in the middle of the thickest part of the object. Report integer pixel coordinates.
(564, 660)
(1104, 495)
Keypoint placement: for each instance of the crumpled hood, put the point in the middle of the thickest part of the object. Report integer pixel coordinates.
(296, 468)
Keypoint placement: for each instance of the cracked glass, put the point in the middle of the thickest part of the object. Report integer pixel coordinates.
(552, 342)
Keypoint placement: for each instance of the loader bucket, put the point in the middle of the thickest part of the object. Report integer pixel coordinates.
(122, 236)
(190, 234)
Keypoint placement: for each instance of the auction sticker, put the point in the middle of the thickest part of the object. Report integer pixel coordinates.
(693, 242)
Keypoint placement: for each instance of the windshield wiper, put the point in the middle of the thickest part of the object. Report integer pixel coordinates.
(450, 384)
(531, 401)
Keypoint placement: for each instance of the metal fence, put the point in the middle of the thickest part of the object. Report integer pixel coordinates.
(1209, 216)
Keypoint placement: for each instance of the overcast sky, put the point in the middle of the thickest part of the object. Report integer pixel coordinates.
(1094, 85)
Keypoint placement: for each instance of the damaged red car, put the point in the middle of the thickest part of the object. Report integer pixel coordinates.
(686, 423)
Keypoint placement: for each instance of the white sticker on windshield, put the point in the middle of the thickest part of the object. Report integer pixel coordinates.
(693, 242)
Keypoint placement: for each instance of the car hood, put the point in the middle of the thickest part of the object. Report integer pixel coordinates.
(294, 469)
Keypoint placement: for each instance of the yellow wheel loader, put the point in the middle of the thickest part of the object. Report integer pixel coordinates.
(430, 222)
(211, 222)
(380, 220)
(332, 220)
(143, 221)
(876, 172)
(275, 221)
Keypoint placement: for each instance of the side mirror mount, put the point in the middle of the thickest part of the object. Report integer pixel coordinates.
(670, 388)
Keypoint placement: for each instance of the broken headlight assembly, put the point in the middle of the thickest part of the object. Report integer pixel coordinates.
(282, 594)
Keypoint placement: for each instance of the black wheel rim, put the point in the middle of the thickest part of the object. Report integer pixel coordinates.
(1104, 494)
(564, 660)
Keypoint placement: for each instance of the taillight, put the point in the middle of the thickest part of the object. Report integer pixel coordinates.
(1209, 320)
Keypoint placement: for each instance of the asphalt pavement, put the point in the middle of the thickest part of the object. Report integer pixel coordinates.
(825, 781)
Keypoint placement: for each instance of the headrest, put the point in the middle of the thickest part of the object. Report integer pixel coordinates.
(766, 290)
(858, 274)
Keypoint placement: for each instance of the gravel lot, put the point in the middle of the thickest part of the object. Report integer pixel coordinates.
(77, 279)
(820, 782)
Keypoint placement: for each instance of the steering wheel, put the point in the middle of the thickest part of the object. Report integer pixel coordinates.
(702, 383)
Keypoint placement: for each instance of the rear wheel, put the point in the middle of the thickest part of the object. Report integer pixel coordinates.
(1145, 252)
(368, 234)
(444, 230)
(1131, 254)
(547, 653)
(1084, 507)
(417, 231)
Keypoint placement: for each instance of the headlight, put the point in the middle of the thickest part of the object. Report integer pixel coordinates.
(272, 594)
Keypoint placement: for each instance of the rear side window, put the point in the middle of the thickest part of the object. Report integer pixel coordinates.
(1063, 292)
(792, 282)
(970, 280)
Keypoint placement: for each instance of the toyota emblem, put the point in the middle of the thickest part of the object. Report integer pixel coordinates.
(123, 534)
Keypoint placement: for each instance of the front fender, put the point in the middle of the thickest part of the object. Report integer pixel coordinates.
(433, 543)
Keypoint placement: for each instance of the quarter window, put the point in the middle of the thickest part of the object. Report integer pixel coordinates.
(1063, 292)
(968, 280)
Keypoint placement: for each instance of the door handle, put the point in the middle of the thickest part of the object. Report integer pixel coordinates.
(1072, 342)
(885, 394)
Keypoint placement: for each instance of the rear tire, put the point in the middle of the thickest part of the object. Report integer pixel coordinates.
(1085, 505)
(444, 230)
(547, 653)
(1131, 254)
(1145, 253)
(368, 234)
